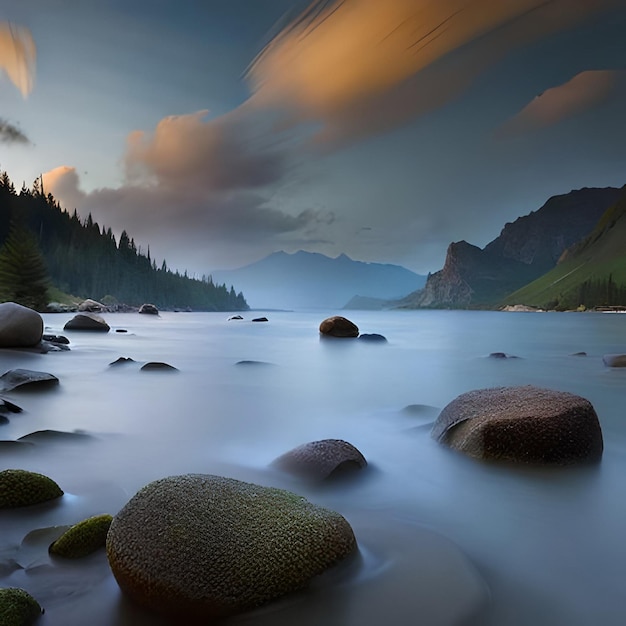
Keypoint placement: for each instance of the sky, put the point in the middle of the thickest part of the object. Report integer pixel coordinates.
(218, 132)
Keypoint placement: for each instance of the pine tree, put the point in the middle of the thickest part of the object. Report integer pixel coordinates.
(23, 273)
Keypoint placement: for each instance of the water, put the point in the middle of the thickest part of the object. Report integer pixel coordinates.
(444, 539)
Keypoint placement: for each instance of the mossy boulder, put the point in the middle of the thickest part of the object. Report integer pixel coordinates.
(18, 607)
(22, 488)
(522, 424)
(320, 460)
(338, 326)
(83, 538)
(200, 547)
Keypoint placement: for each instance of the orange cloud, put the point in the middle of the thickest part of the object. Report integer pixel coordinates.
(577, 95)
(347, 64)
(191, 152)
(17, 56)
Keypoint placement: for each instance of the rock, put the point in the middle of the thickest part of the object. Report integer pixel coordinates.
(9, 407)
(83, 538)
(502, 355)
(579, 354)
(92, 306)
(200, 547)
(235, 317)
(19, 326)
(319, 460)
(20, 378)
(56, 339)
(522, 424)
(18, 607)
(22, 488)
(121, 330)
(373, 338)
(123, 360)
(148, 309)
(338, 326)
(152, 366)
(260, 319)
(614, 360)
(249, 363)
(51, 436)
(87, 321)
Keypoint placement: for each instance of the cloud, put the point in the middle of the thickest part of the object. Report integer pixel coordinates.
(584, 91)
(361, 66)
(9, 133)
(17, 56)
(182, 222)
(189, 151)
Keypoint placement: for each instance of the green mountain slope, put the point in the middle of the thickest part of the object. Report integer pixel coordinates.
(592, 273)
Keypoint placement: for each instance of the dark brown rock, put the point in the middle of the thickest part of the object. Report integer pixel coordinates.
(614, 360)
(19, 326)
(148, 309)
(338, 326)
(87, 321)
(318, 460)
(522, 424)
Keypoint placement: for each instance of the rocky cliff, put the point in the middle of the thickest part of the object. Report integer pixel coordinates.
(525, 249)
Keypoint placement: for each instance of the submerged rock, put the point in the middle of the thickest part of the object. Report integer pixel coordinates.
(123, 360)
(373, 338)
(9, 407)
(523, 424)
(319, 460)
(153, 366)
(614, 360)
(19, 326)
(20, 378)
(235, 317)
(87, 321)
(338, 326)
(22, 488)
(260, 319)
(200, 547)
(83, 538)
(51, 436)
(18, 607)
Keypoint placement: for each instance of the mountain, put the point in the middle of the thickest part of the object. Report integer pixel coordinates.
(307, 280)
(525, 249)
(590, 273)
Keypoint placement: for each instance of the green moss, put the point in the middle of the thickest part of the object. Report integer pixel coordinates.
(83, 538)
(23, 488)
(17, 607)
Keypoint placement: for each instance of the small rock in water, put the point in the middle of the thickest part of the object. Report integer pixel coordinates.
(253, 363)
(373, 338)
(18, 607)
(338, 326)
(121, 330)
(83, 538)
(153, 366)
(614, 360)
(579, 354)
(260, 319)
(235, 317)
(148, 309)
(44, 436)
(9, 407)
(87, 322)
(22, 488)
(502, 355)
(123, 360)
(56, 339)
(319, 460)
(20, 378)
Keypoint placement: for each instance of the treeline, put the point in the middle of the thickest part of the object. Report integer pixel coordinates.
(606, 292)
(85, 260)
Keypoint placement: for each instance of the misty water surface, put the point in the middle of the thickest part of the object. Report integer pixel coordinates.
(443, 539)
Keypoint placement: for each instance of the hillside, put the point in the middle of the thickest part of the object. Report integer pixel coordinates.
(311, 280)
(591, 273)
(523, 251)
(85, 260)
